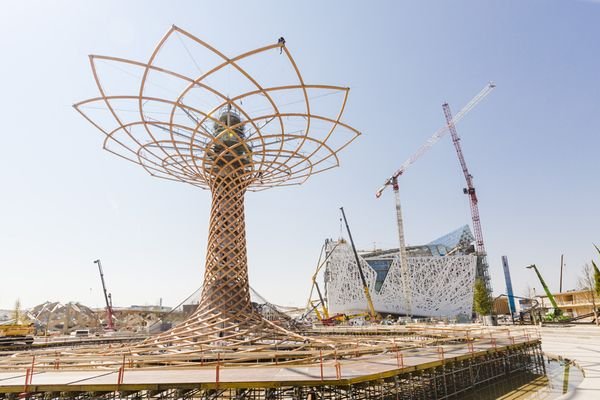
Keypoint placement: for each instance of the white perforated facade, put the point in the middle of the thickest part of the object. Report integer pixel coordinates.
(440, 286)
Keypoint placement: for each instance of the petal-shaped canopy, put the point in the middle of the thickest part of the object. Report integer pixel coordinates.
(164, 113)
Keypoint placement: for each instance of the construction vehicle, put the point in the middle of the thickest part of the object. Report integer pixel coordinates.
(393, 181)
(108, 298)
(341, 318)
(16, 333)
(555, 313)
(313, 305)
(334, 319)
(373, 314)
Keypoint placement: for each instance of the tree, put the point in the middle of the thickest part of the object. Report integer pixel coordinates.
(588, 281)
(17, 312)
(596, 279)
(482, 302)
(596, 275)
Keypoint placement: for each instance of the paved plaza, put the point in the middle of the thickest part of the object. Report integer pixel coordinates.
(581, 344)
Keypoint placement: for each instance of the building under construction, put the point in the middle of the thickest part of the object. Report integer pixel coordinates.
(440, 281)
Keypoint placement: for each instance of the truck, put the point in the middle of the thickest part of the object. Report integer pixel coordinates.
(11, 334)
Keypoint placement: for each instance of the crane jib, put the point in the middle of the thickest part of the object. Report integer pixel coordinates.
(440, 133)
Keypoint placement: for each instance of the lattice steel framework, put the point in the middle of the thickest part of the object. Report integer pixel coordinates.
(203, 136)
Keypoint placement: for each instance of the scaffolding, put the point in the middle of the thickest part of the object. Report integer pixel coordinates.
(406, 363)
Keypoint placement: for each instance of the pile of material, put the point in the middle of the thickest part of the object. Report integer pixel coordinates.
(136, 321)
(64, 318)
(272, 312)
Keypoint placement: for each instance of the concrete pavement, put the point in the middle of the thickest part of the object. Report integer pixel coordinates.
(581, 344)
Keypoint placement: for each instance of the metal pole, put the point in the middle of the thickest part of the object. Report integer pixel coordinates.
(360, 271)
(403, 256)
(108, 303)
(509, 288)
(561, 272)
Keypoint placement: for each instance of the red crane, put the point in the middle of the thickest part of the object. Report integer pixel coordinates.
(469, 191)
(107, 298)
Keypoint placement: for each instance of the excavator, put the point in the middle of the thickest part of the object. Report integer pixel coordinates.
(13, 334)
(17, 332)
(556, 313)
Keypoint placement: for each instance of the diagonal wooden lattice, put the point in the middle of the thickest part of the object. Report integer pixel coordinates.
(268, 134)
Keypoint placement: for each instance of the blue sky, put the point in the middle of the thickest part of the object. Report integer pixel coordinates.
(532, 145)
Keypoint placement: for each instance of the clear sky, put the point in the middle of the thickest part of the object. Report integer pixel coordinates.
(532, 145)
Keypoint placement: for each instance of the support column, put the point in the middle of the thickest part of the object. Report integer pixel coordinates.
(226, 289)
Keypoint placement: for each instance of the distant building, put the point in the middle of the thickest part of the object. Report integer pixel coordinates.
(574, 303)
(440, 281)
(500, 306)
(157, 308)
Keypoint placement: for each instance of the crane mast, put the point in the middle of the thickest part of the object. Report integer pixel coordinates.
(107, 298)
(557, 312)
(361, 274)
(470, 189)
(482, 269)
(402, 249)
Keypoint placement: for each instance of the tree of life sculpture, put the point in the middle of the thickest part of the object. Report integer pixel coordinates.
(267, 135)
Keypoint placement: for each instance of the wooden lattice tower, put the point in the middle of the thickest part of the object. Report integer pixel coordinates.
(228, 148)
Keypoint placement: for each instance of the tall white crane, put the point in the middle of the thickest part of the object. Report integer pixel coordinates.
(393, 181)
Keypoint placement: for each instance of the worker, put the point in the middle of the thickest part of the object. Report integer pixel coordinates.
(281, 43)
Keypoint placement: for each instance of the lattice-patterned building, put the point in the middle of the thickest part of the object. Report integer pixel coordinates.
(440, 282)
